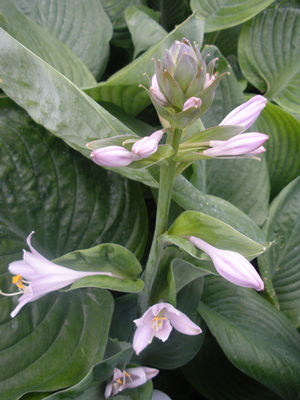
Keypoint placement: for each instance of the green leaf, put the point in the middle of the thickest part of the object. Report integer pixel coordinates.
(210, 366)
(243, 182)
(68, 201)
(173, 12)
(215, 232)
(69, 332)
(190, 198)
(269, 55)
(283, 146)
(43, 44)
(116, 354)
(84, 27)
(225, 13)
(282, 261)
(107, 257)
(122, 88)
(144, 30)
(68, 113)
(257, 339)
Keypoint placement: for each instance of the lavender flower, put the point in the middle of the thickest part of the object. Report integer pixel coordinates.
(128, 379)
(147, 145)
(158, 321)
(247, 113)
(245, 145)
(231, 265)
(41, 276)
(113, 156)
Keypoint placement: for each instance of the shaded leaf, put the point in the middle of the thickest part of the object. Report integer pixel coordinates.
(43, 44)
(83, 26)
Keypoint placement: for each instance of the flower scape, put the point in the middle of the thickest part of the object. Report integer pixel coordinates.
(202, 243)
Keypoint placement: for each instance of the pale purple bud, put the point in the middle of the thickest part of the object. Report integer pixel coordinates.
(246, 114)
(147, 145)
(246, 144)
(231, 265)
(158, 321)
(113, 156)
(192, 102)
(129, 379)
(37, 276)
(209, 78)
(156, 92)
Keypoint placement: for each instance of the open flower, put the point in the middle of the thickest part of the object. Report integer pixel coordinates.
(231, 265)
(36, 276)
(158, 321)
(128, 379)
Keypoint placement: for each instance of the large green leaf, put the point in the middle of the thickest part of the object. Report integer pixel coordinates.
(243, 182)
(190, 198)
(144, 30)
(106, 257)
(172, 12)
(54, 342)
(210, 366)
(225, 13)
(43, 44)
(269, 55)
(213, 231)
(122, 89)
(282, 261)
(283, 146)
(257, 339)
(53, 101)
(83, 26)
(68, 201)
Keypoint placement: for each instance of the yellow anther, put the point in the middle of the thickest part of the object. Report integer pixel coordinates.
(119, 381)
(127, 374)
(17, 280)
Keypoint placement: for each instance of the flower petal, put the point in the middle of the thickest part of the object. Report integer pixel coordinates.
(142, 337)
(113, 156)
(164, 333)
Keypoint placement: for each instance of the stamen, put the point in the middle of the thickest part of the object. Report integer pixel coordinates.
(10, 294)
(17, 280)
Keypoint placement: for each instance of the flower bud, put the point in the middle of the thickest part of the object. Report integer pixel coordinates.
(147, 145)
(244, 144)
(113, 156)
(192, 102)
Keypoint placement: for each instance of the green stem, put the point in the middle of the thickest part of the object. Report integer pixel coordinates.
(167, 173)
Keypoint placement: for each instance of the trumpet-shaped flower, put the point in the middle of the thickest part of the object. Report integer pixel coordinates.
(158, 321)
(147, 145)
(128, 379)
(243, 145)
(113, 156)
(36, 276)
(231, 265)
(246, 114)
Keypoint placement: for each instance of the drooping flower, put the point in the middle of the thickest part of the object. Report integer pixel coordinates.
(231, 265)
(158, 321)
(147, 146)
(128, 379)
(113, 156)
(247, 113)
(36, 276)
(243, 145)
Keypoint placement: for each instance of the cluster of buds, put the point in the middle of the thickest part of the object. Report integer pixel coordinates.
(183, 85)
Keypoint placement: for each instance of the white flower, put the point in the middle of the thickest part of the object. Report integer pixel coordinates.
(36, 276)
(231, 265)
(113, 156)
(147, 145)
(128, 379)
(158, 321)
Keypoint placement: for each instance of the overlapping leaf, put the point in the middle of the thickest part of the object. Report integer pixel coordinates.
(83, 26)
(225, 13)
(257, 339)
(43, 44)
(283, 146)
(282, 261)
(269, 55)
